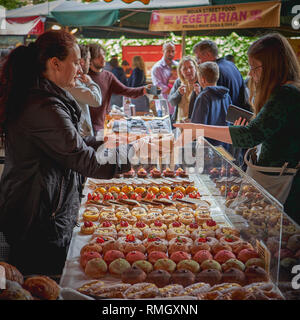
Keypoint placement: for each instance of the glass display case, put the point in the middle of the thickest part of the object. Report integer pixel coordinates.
(233, 200)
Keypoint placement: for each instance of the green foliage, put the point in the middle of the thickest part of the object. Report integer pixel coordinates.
(232, 44)
(12, 4)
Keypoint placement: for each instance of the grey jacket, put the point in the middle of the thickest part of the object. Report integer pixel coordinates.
(175, 97)
(86, 95)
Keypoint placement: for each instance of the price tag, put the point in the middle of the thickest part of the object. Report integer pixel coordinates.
(264, 254)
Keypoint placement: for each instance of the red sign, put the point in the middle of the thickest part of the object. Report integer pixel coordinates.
(37, 30)
(150, 54)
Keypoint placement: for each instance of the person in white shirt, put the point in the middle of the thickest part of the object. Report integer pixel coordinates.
(86, 92)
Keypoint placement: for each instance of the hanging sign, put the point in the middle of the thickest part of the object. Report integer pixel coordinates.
(130, 1)
(232, 16)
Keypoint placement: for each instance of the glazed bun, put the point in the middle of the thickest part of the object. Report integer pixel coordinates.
(42, 287)
(12, 273)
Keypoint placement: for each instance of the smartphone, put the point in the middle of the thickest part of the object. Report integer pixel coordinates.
(234, 113)
(154, 90)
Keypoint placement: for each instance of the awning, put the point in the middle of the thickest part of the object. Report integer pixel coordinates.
(22, 26)
(102, 13)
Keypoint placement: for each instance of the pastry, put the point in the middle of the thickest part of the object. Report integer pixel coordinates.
(14, 291)
(160, 278)
(175, 232)
(131, 219)
(186, 217)
(155, 173)
(108, 216)
(233, 275)
(157, 245)
(210, 225)
(171, 290)
(133, 256)
(202, 215)
(141, 226)
(153, 256)
(105, 232)
(128, 231)
(294, 242)
(191, 265)
(224, 255)
(181, 239)
(165, 264)
(246, 254)
(169, 173)
(42, 287)
(192, 227)
(233, 263)
(176, 224)
(202, 255)
(91, 247)
(211, 264)
(256, 274)
(240, 246)
(96, 268)
(181, 173)
(97, 288)
(138, 212)
(131, 243)
(142, 173)
(88, 227)
(200, 244)
(178, 246)
(111, 245)
(133, 275)
(123, 225)
(210, 276)
(91, 214)
(196, 289)
(158, 225)
(231, 240)
(203, 233)
(183, 277)
(255, 262)
(224, 231)
(86, 256)
(170, 209)
(148, 218)
(112, 255)
(146, 266)
(219, 247)
(159, 233)
(180, 255)
(142, 290)
(12, 273)
(118, 266)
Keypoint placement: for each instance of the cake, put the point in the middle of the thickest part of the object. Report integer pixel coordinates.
(118, 266)
(211, 264)
(202, 255)
(180, 255)
(246, 254)
(96, 268)
(183, 277)
(210, 276)
(142, 173)
(165, 264)
(86, 256)
(256, 274)
(133, 256)
(133, 275)
(159, 277)
(191, 265)
(169, 173)
(146, 266)
(153, 256)
(234, 275)
(233, 263)
(224, 255)
(155, 173)
(112, 255)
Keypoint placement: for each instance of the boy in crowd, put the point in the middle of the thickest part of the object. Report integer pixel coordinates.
(213, 101)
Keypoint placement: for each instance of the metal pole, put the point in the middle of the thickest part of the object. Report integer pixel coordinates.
(183, 35)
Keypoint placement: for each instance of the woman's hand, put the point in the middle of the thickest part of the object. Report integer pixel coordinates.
(240, 122)
(182, 89)
(197, 88)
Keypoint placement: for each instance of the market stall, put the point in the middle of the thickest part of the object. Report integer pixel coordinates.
(156, 233)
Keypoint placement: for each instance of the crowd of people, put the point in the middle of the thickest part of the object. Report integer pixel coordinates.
(56, 94)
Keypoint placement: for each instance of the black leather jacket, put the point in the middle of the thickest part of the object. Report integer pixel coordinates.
(44, 156)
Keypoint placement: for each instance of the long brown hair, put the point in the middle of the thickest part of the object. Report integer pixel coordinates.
(138, 62)
(279, 66)
(181, 62)
(24, 65)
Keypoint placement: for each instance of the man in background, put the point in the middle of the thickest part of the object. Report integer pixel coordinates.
(108, 84)
(162, 70)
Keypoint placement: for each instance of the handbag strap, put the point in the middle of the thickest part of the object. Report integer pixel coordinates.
(281, 170)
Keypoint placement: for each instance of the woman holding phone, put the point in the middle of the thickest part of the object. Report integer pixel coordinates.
(275, 71)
